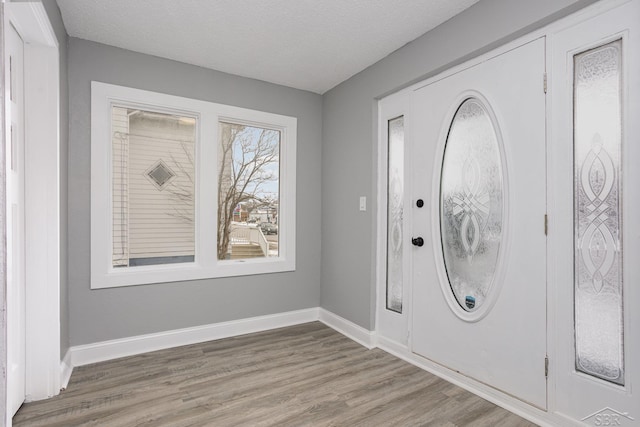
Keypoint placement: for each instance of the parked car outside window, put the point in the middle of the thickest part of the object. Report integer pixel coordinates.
(268, 228)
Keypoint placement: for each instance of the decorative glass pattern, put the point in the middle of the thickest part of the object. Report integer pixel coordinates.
(597, 221)
(471, 204)
(160, 174)
(395, 200)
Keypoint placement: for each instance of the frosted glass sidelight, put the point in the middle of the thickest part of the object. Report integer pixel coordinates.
(395, 199)
(471, 204)
(597, 217)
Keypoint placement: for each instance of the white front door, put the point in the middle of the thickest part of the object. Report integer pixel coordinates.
(16, 321)
(594, 236)
(479, 280)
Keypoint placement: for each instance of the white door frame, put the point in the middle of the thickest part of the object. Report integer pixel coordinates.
(389, 342)
(564, 43)
(386, 337)
(42, 196)
(391, 326)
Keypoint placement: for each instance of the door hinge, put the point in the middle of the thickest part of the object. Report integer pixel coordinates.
(546, 224)
(10, 78)
(12, 148)
(546, 366)
(544, 82)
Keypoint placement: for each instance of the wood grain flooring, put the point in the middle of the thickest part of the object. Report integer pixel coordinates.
(305, 375)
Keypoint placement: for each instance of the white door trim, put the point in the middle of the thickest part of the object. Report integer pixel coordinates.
(615, 22)
(42, 196)
(390, 324)
(554, 415)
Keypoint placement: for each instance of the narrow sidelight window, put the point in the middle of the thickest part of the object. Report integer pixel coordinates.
(395, 200)
(597, 212)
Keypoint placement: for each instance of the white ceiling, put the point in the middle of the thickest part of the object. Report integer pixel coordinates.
(306, 44)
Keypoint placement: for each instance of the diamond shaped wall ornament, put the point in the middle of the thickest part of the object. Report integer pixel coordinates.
(160, 174)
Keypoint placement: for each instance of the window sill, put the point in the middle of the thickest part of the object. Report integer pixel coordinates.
(146, 275)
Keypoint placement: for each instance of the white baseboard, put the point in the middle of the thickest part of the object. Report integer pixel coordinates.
(348, 328)
(108, 350)
(113, 349)
(503, 400)
(66, 368)
(130, 346)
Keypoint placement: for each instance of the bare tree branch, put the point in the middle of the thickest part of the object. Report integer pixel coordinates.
(246, 154)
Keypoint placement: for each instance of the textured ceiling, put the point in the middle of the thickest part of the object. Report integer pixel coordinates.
(306, 44)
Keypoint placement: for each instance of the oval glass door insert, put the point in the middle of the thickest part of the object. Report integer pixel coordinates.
(471, 204)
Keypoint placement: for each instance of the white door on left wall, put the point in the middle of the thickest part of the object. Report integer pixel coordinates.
(16, 301)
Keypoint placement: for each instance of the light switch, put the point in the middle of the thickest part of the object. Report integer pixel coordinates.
(363, 203)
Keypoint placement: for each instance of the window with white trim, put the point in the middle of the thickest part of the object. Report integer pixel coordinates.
(184, 189)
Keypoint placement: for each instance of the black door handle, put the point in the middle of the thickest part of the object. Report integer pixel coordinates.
(417, 241)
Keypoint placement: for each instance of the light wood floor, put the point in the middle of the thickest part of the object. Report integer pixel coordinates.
(306, 375)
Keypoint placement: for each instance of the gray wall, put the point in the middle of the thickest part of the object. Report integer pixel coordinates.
(56, 21)
(339, 128)
(350, 138)
(97, 315)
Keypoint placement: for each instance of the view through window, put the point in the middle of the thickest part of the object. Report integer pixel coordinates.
(248, 191)
(185, 189)
(152, 187)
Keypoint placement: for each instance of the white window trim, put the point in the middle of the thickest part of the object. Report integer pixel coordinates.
(206, 264)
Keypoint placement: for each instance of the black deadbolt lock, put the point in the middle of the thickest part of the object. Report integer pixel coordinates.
(419, 203)
(417, 241)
